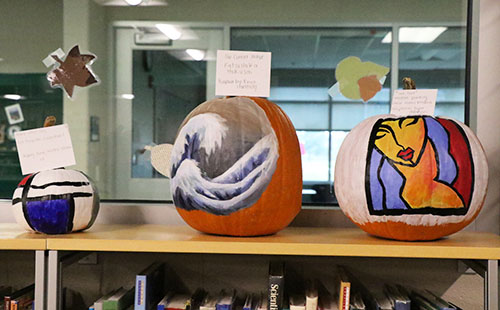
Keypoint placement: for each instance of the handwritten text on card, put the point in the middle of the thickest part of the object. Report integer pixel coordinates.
(414, 102)
(241, 73)
(44, 148)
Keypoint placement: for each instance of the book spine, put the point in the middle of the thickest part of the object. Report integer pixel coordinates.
(345, 294)
(399, 305)
(99, 305)
(275, 292)
(311, 303)
(140, 293)
(6, 304)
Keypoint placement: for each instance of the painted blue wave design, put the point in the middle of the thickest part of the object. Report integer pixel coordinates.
(239, 187)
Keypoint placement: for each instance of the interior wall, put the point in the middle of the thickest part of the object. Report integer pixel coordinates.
(488, 109)
(295, 12)
(29, 31)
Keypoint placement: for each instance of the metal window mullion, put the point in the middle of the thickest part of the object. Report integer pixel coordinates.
(394, 61)
(330, 118)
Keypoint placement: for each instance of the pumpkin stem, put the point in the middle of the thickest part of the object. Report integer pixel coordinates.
(49, 121)
(408, 83)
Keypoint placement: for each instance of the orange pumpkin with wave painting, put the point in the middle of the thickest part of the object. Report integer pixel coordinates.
(236, 168)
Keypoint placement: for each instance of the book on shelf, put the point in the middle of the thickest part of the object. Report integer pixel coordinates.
(247, 304)
(208, 302)
(225, 300)
(197, 298)
(311, 295)
(344, 288)
(164, 301)
(398, 296)
(276, 285)
(120, 300)
(356, 301)
(251, 301)
(22, 304)
(149, 286)
(172, 301)
(360, 291)
(20, 298)
(382, 301)
(99, 303)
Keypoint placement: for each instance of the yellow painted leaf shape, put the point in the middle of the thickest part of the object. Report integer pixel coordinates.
(351, 69)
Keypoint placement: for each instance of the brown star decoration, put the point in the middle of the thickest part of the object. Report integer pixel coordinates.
(73, 71)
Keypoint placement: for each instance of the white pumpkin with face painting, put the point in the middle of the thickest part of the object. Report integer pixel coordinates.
(411, 178)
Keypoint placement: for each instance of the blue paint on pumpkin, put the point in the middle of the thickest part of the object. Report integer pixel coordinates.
(49, 216)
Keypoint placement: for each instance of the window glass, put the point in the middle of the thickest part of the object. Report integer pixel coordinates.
(32, 94)
(167, 85)
(314, 146)
(156, 62)
(302, 71)
(435, 58)
(317, 116)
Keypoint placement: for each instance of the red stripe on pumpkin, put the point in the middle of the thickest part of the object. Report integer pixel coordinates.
(24, 180)
(460, 150)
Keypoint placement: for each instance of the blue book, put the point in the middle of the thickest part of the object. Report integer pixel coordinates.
(149, 287)
(225, 300)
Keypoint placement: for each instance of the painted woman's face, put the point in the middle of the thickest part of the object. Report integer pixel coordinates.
(401, 140)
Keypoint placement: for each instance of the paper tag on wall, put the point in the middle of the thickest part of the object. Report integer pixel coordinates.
(414, 102)
(44, 148)
(241, 73)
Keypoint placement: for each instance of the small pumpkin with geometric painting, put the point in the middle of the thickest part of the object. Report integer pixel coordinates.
(56, 201)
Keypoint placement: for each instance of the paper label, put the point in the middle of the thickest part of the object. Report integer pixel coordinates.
(241, 73)
(44, 148)
(414, 102)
